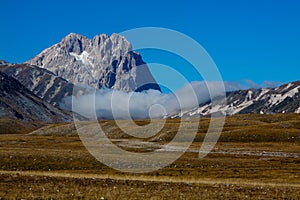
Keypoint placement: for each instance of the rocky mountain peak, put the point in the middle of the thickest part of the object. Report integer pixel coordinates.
(102, 62)
(73, 43)
(98, 39)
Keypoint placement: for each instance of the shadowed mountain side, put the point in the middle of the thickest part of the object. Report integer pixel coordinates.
(14, 126)
(17, 102)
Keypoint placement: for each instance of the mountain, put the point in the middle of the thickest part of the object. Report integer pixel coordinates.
(102, 62)
(108, 62)
(17, 102)
(41, 82)
(283, 99)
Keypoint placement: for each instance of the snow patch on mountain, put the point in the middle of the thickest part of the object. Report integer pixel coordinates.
(83, 57)
(276, 99)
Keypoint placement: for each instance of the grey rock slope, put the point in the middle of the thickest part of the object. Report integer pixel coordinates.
(41, 82)
(17, 102)
(102, 62)
(283, 99)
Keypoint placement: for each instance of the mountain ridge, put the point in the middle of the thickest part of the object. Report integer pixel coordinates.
(282, 99)
(17, 102)
(41, 82)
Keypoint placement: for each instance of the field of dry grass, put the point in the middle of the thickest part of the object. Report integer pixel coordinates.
(257, 157)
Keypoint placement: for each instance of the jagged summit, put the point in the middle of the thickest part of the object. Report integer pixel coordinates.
(102, 62)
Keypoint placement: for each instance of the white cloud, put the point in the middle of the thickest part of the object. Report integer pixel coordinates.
(114, 104)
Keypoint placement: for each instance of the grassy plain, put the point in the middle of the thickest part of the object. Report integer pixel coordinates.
(257, 157)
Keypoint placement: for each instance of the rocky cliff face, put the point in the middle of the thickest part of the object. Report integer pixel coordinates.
(101, 62)
(17, 102)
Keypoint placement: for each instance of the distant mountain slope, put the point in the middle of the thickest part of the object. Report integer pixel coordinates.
(41, 82)
(101, 62)
(17, 102)
(14, 126)
(283, 99)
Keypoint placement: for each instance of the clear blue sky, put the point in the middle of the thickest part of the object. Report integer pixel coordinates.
(255, 40)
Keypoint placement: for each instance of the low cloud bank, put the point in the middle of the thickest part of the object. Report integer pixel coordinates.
(113, 104)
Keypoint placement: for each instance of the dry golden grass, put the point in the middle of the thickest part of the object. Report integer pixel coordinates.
(46, 187)
(257, 157)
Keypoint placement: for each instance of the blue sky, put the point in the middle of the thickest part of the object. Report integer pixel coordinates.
(248, 40)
